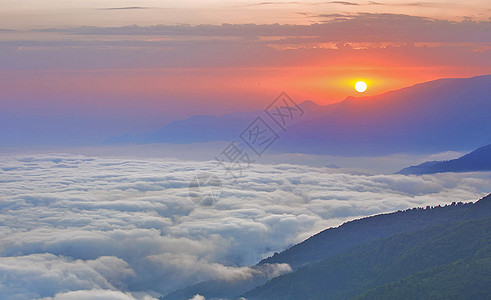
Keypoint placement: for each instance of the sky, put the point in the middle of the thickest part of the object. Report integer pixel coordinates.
(100, 69)
(41, 14)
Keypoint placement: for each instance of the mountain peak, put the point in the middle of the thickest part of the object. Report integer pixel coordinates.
(478, 160)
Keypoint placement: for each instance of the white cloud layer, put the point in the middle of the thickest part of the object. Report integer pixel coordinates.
(76, 227)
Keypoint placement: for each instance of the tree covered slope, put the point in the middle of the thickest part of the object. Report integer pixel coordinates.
(417, 227)
(439, 262)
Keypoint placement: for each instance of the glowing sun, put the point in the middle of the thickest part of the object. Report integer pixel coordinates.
(361, 86)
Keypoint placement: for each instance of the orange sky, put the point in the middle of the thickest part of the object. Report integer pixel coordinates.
(142, 77)
(29, 14)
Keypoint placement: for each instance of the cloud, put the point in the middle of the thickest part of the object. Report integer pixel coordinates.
(343, 3)
(304, 3)
(335, 27)
(127, 8)
(94, 294)
(76, 226)
(38, 275)
(417, 4)
(273, 3)
(246, 45)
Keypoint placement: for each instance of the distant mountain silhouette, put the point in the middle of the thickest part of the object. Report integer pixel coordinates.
(479, 160)
(436, 116)
(440, 115)
(335, 248)
(204, 128)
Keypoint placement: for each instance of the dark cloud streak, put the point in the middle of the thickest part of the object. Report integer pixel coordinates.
(414, 4)
(127, 8)
(332, 27)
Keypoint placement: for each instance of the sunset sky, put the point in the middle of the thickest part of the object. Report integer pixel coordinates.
(107, 68)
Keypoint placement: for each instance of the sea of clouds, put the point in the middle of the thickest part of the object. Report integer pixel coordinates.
(79, 227)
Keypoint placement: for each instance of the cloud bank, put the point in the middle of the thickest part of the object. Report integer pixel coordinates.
(77, 227)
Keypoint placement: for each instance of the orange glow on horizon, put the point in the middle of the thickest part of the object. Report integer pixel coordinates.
(215, 90)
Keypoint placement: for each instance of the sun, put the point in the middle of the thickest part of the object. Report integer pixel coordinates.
(361, 86)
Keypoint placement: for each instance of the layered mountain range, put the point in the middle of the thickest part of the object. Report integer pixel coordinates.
(441, 115)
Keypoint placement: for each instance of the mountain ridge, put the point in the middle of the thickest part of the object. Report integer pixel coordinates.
(335, 241)
(448, 114)
(384, 261)
(477, 160)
